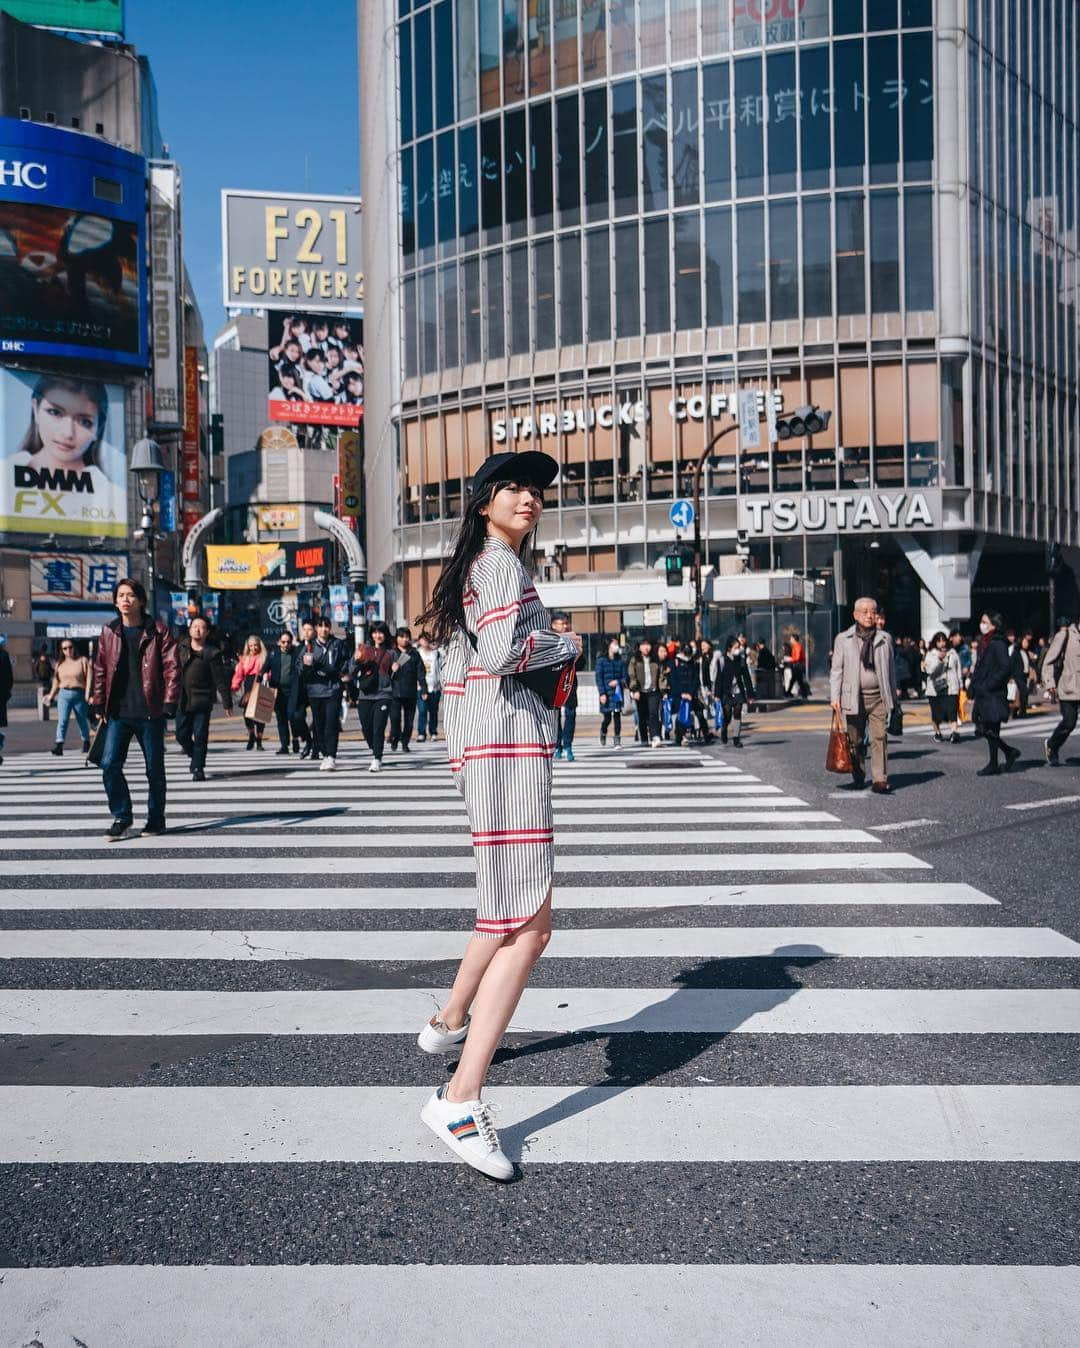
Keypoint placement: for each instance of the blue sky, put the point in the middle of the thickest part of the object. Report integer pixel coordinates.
(254, 93)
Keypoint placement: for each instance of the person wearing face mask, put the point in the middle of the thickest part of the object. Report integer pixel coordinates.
(862, 688)
(943, 679)
(611, 690)
(989, 683)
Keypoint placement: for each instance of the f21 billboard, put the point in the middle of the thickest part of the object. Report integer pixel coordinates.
(72, 246)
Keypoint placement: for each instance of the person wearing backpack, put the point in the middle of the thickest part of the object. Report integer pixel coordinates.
(371, 687)
(1061, 674)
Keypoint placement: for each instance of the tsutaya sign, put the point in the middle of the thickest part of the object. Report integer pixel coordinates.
(606, 415)
(865, 512)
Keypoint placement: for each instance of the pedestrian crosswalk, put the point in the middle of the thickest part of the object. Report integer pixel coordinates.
(771, 1079)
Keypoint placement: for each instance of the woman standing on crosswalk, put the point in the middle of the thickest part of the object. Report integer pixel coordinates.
(500, 737)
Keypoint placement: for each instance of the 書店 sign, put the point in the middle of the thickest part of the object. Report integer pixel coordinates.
(292, 252)
(865, 512)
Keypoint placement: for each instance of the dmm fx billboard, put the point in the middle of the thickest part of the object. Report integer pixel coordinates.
(72, 246)
(284, 251)
(863, 512)
(62, 463)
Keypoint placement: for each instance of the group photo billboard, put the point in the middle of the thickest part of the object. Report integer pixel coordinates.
(289, 251)
(72, 246)
(63, 469)
(316, 365)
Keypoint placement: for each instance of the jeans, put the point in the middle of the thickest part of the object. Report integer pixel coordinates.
(1065, 727)
(648, 705)
(427, 714)
(872, 713)
(71, 700)
(193, 735)
(326, 722)
(374, 714)
(566, 722)
(402, 715)
(151, 737)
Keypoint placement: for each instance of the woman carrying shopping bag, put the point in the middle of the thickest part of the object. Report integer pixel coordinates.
(247, 673)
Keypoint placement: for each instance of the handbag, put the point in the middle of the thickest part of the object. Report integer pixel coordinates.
(552, 685)
(260, 703)
(963, 703)
(896, 720)
(96, 752)
(838, 755)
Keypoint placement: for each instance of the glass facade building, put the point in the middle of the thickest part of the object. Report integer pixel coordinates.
(606, 218)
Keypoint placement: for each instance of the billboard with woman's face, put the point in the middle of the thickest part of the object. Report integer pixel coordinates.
(62, 463)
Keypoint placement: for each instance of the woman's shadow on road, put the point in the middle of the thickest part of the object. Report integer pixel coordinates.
(702, 1022)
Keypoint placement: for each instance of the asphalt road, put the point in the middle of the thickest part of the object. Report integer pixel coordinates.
(800, 1060)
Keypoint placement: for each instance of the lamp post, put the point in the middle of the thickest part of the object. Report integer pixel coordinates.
(698, 469)
(146, 467)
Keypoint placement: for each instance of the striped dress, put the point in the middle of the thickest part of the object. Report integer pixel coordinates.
(501, 738)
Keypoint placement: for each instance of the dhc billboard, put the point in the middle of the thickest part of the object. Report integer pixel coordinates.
(72, 246)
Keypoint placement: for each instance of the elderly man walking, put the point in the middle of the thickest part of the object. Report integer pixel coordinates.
(862, 689)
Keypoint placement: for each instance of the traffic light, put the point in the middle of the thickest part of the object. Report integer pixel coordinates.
(803, 421)
(673, 562)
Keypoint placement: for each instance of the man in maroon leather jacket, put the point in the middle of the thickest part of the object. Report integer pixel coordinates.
(136, 688)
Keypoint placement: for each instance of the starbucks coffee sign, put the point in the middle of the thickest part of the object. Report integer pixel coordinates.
(866, 512)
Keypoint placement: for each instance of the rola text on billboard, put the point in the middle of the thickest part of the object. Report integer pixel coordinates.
(287, 252)
(72, 246)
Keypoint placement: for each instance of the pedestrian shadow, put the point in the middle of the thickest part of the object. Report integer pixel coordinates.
(910, 753)
(242, 821)
(902, 779)
(680, 1047)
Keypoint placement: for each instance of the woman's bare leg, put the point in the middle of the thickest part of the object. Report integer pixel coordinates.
(479, 953)
(496, 999)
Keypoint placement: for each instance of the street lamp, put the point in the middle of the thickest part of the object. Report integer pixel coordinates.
(146, 467)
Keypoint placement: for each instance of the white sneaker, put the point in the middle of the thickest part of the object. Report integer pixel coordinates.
(328, 765)
(468, 1131)
(657, 743)
(375, 766)
(437, 1037)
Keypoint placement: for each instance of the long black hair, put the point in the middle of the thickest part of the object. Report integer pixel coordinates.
(446, 612)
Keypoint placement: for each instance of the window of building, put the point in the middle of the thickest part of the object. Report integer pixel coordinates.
(657, 276)
(516, 174)
(848, 16)
(448, 316)
(405, 69)
(468, 181)
(466, 60)
(854, 418)
(540, 161)
(429, 323)
(599, 285)
(715, 29)
(513, 50)
(596, 154)
(815, 103)
(593, 41)
(494, 326)
(408, 209)
(821, 448)
(883, 109)
(817, 257)
(490, 43)
(566, 43)
(443, 15)
(425, 199)
(653, 32)
(750, 117)
(408, 327)
(491, 177)
(884, 253)
(423, 79)
(848, 101)
(627, 281)
(751, 270)
(446, 163)
(716, 124)
(570, 292)
(518, 259)
(624, 143)
(685, 120)
(472, 306)
(918, 84)
(719, 289)
(783, 260)
(623, 26)
(654, 135)
(544, 281)
(889, 425)
(783, 120)
(568, 174)
(850, 255)
(919, 251)
(412, 473)
(880, 14)
(688, 271)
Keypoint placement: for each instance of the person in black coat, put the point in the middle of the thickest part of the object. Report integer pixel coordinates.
(7, 683)
(686, 687)
(281, 670)
(202, 678)
(734, 687)
(323, 670)
(988, 686)
(407, 681)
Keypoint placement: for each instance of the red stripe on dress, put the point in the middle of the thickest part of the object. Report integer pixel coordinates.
(512, 842)
(511, 832)
(501, 928)
(494, 615)
(527, 651)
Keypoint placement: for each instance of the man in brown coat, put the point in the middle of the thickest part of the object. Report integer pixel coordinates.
(862, 688)
(1061, 674)
(136, 688)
